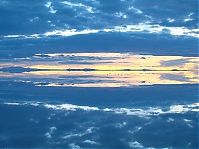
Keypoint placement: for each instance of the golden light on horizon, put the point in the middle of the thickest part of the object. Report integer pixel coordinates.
(107, 70)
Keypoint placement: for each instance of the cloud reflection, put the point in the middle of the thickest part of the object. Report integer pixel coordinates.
(101, 70)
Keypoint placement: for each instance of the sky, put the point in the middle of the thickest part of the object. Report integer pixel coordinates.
(155, 27)
(99, 74)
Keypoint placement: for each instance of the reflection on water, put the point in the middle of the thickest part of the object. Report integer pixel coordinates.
(74, 126)
(101, 69)
(103, 78)
(48, 103)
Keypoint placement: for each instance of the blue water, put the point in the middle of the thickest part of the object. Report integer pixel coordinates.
(146, 116)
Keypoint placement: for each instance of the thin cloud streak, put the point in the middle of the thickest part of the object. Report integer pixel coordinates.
(136, 28)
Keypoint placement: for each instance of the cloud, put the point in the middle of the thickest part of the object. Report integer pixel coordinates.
(170, 120)
(120, 15)
(71, 32)
(90, 142)
(50, 7)
(135, 28)
(48, 135)
(189, 17)
(120, 125)
(135, 144)
(51, 132)
(67, 136)
(145, 112)
(80, 5)
(70, 107)
(79, 134)
(170, 20)
(136, 10)
(74, 146)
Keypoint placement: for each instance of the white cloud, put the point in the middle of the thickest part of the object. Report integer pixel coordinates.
(74, 146)
(80, 5)
(120, 15)
(170, 20)
(73, 134)
(135, 28)
(48, 4)
(145, 112)
(52, 129)
(51, 132)
(52, 10)
(189, 17)
(15, 36)
(135, 10)
(50, 7)
(70, 107)
(179, 109)
(190, 14)
(120, 125)
(70, 32)
(135, 130)
(67, 136)
(23, 103)
(156, 29)
(90, 142)
(135, 144)
(34, 19)
(48, 135)
(170, 120)
(187, 120)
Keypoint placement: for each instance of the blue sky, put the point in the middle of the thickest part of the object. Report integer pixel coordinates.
(165, 27)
